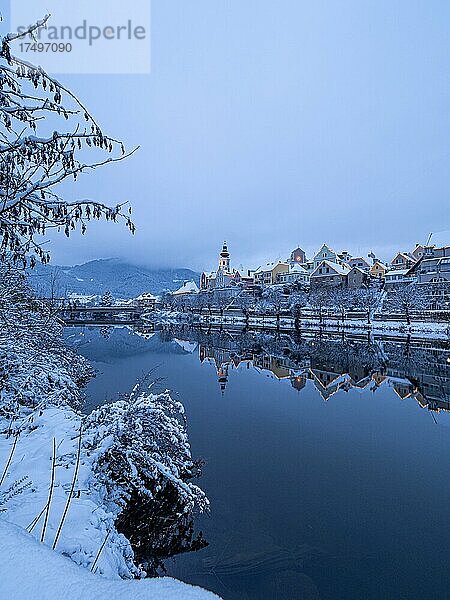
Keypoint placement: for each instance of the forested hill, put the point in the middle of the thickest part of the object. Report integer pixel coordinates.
(123, 279)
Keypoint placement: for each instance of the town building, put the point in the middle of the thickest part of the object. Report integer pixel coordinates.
(329, 274)
(360, 262)
(378, 270)
(308, 265)
(398, 277)
(434, 270)
(357, 278)
(325, 253)
(418, 251)
(268, 275)
(146, 300)
(225, 277)
(298, 256)
(433, 266)
(188, 287)
(402, 260)
(296, 274)
(433, 273)
(344, 256)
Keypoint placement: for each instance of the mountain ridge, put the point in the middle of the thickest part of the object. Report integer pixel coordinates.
(95, 277)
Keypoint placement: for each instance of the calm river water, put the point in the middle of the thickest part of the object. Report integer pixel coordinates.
(327, 460)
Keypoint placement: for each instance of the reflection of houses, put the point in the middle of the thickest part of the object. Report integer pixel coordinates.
(276, 366)
(379, 378)
(412, 371)
(298, 382)
(186, 345)
(223, 359)
(402, 387)
(362, 383)
(328, 383)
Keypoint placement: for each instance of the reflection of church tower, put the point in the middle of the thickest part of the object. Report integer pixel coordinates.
(224, 259)
(222, 375)
(202, 353)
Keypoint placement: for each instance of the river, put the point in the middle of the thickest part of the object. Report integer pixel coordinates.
(326, 458)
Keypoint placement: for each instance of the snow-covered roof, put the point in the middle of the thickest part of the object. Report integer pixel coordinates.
(75, 296)
(397, 272)
(360, 258)
(405, 255)
(339, 269)
(146, 296)
(355, 268)
(244, 271)
(296, 268)
(322, 248)
(189, 287)
(271, 265)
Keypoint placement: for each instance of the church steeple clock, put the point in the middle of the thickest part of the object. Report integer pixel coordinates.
(224, 259)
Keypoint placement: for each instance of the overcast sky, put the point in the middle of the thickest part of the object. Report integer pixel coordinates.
(276, 124)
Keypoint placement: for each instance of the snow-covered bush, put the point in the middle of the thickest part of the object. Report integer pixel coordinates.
(36, 368)
(142, 460)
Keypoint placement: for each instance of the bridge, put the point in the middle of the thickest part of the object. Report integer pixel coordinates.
(105, 315)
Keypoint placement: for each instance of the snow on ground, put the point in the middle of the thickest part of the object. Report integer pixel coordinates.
(166, 317)
(29, 569)
(426, 329)
(88, 521)
(40, 381)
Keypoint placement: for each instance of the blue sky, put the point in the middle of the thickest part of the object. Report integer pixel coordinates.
(276, 124)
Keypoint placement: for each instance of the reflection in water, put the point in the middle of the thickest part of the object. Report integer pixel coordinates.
(419, 370)
(158, 528)
(343, 499)
(239, 561)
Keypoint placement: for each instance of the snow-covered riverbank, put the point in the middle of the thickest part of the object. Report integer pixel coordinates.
(29, 569)
(423, 329)
(65, 478)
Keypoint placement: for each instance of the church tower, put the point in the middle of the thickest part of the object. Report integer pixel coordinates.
(224, 259)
